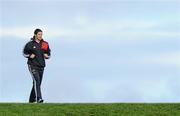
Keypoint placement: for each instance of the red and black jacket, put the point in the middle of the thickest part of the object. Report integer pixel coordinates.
(39, 49)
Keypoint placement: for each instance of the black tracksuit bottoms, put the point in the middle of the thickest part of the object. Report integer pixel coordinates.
(37, 75)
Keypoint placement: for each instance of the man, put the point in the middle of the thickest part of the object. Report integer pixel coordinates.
(36, 50)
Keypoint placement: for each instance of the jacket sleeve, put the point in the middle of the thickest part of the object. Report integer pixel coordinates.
(46, 49)
(48, 52)
(27, 50)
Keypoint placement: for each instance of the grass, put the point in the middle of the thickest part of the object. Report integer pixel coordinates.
(90, 109)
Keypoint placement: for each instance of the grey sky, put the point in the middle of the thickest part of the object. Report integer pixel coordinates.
(102, 51)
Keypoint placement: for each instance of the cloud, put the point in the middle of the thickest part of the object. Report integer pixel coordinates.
(27, 32)
(84, 28)
(171, 58)
(129, 89)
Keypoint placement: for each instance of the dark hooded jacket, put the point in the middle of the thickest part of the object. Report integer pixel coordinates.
(39, 49)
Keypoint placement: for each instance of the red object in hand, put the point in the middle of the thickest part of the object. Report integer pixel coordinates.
(44, 45)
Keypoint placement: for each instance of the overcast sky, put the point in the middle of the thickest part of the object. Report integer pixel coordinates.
(102, 50)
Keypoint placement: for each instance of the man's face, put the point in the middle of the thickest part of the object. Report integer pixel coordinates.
(39, 36)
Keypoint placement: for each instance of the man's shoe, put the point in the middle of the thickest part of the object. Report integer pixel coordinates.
(40, 101)
(32, 102)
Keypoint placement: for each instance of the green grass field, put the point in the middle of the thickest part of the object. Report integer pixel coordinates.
(90, 109)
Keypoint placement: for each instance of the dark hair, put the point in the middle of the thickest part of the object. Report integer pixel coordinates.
(36, 31)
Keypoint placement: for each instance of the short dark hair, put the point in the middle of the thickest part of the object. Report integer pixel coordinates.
(35, 33)
(37, 30)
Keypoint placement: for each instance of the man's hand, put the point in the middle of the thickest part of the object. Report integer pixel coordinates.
(32, 56)
(46, 56)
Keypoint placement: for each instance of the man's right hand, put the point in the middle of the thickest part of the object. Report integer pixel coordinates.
(32, 56)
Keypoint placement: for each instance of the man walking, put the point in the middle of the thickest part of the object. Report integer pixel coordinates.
(36, 50)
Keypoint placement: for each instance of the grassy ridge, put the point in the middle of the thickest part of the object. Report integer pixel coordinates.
(90, 109)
